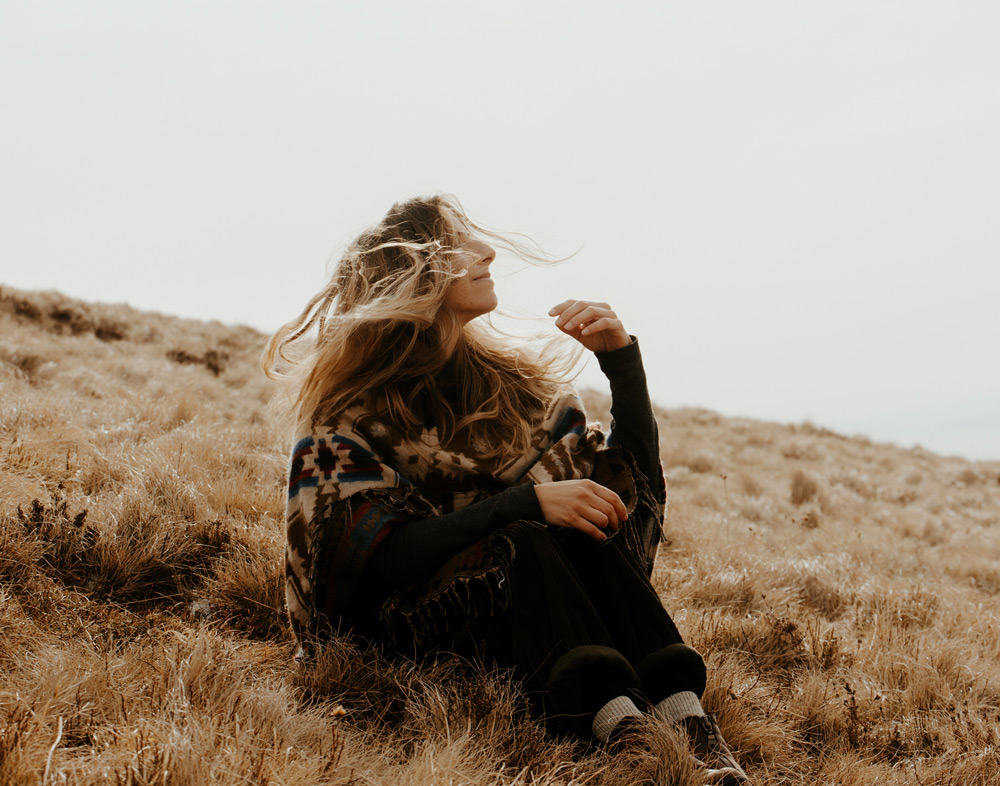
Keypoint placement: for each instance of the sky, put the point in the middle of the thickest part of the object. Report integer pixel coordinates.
(792, 205)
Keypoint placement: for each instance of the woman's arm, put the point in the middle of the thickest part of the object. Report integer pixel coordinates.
(632, 421)
(598, 328)
(418, 548)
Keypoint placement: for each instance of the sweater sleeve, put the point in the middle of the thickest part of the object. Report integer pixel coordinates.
(632, 421)
(417, 548)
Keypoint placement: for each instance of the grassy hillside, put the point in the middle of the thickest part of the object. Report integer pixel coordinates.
(844, 593)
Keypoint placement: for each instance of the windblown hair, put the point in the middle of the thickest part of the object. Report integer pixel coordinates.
(384, 337)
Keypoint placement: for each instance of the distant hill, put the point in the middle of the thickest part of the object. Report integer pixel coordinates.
(845, 593)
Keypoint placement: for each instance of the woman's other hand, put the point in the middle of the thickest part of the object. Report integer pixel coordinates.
(581, 504)
(594, 325)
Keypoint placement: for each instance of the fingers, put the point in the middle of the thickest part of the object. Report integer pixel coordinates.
(605, 514)
(557, 310)
(581, 504)
(590, 530)
(621, 512)
(595, 325)
(574, 315)
(604, 323)
(601, 507)
(586, 520)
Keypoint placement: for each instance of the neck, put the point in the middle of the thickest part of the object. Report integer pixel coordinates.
(451, 335)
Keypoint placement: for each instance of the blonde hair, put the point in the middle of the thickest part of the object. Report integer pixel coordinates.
(382, 330)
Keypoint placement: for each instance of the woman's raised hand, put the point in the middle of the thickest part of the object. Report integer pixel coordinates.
(581, 504)
(594, 325)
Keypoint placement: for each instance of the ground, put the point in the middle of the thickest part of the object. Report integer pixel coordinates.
(843, 592)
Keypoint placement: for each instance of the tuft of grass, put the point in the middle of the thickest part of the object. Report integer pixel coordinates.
(212, 359)
(811, 519)
(246, 589)
(750, 486)
(803, 488)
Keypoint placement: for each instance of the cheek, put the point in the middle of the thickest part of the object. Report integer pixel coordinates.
(454, 297)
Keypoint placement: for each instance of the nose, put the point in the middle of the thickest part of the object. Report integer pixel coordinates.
(484, 251)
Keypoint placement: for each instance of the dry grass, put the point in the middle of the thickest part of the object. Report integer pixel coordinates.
(845, 593)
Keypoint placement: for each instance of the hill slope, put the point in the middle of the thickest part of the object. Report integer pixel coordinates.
(844, 592)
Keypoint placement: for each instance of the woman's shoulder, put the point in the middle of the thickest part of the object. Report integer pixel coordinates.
(348, 422)
(563, 400)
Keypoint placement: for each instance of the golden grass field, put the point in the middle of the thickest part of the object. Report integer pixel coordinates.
(844, 593)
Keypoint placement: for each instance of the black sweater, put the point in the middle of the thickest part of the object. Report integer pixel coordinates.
(418, 548)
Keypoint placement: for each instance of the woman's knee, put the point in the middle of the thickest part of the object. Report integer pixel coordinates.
(672, 669)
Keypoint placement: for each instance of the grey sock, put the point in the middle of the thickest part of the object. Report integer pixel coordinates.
(679, 706)
(611, 714)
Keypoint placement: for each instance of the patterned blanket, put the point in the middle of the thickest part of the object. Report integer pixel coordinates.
(352, 479)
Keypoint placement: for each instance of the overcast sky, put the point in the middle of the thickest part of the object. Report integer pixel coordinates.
(794, 205)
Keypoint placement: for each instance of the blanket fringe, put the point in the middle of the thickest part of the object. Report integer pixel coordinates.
(446, 617)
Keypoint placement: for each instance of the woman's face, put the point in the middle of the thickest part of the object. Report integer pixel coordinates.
(472, 295)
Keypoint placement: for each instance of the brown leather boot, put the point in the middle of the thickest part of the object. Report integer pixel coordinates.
(712, 752)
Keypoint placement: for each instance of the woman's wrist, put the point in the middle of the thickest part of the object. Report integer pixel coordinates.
(622, 355)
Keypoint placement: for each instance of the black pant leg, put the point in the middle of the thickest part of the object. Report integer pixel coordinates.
(549, 610)
(568, 591)
(621, 593)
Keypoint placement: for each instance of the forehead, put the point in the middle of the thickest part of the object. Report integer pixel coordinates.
(457, 225)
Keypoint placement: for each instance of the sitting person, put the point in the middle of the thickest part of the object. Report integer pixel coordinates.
(446, 492)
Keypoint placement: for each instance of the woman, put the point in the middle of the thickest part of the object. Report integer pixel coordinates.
(445, 491)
